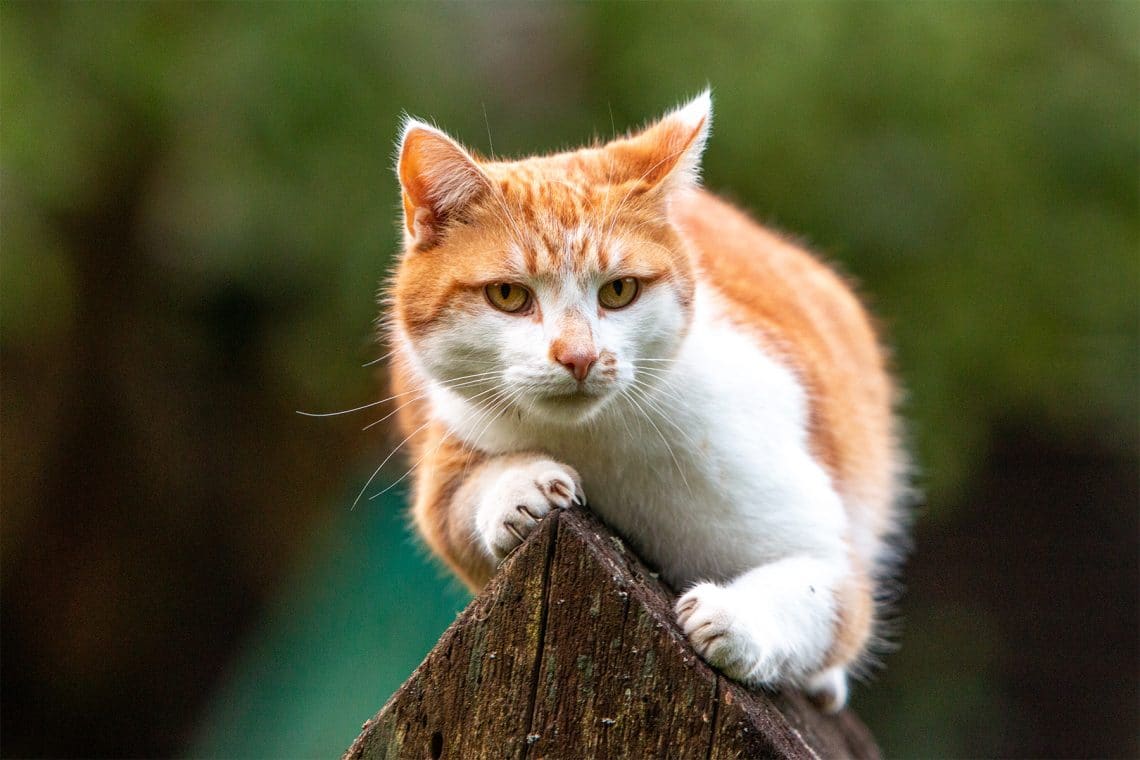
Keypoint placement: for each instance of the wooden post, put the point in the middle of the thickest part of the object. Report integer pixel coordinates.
(572, 652)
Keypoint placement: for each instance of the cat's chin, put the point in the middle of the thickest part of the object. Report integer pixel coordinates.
(569, 408)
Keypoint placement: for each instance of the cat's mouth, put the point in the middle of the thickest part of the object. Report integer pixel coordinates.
(572, 403)
(579, 396)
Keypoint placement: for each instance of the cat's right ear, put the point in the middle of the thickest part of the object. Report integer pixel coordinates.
(438, 179)
(666, 154)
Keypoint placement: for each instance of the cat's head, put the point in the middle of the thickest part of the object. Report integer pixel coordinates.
(550, 284)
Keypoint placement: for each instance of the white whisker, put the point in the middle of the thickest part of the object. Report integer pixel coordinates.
(442, 439)
(676, 463)
(381, 465)
(449, 384)
(412, 401)
(378, 359)
(502, 405)
(654, 406)
(447, 433)
(661, 383)
(658, 388)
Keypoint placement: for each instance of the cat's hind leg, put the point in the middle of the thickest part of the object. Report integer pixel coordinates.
(828, 689)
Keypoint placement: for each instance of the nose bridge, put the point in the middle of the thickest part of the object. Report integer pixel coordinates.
(573, 327)
(572, 345)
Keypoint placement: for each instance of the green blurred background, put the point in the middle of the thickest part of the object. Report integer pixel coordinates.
(198, 206)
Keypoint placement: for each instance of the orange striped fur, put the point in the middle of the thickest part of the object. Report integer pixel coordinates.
(631, 209)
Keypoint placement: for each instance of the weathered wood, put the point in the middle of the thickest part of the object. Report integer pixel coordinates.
(572, 652)
(471, 697)
(612, 663)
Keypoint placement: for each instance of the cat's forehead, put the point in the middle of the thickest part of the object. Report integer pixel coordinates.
(565, 185)
(560, 212)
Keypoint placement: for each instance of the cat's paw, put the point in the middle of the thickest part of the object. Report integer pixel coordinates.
(521, 496)
(772, 626)
(754, 654)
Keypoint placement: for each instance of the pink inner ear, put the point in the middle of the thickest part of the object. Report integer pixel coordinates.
(421, 223)
(411, 170)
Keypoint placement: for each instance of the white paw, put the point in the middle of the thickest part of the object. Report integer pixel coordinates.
(741, 646)
(521, 496)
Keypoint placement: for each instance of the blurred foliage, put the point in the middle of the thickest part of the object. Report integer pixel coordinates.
(972, 166)
(334, 640)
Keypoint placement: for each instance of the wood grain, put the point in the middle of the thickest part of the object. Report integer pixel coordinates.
(572, 652)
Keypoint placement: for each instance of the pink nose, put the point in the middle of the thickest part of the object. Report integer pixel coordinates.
(576, 360)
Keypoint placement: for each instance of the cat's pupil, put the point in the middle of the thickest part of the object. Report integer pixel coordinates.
(504, 291)
(618, 285)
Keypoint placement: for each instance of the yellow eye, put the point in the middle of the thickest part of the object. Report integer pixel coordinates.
(618, 293)
(508, 297)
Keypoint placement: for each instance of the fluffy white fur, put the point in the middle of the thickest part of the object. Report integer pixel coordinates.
(668, 453)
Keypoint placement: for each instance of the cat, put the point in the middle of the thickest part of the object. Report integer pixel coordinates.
(594, 325)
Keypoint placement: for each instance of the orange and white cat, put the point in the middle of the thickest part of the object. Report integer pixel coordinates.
(593, 325)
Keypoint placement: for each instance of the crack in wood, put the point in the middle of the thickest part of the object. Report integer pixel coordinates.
(544, 613)
(714, 721)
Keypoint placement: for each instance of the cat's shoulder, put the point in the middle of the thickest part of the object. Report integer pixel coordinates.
(769, 275)
(721, 231)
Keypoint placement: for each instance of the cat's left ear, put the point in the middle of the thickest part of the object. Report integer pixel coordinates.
(439, 179)
(667, 154)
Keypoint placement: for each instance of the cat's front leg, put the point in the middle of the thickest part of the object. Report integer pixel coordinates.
(473, 508)
(786, 623)
(513, 493)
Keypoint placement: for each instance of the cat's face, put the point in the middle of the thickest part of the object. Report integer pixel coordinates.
(553, 285)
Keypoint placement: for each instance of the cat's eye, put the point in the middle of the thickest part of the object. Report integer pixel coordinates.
(508, 297)
(619, 293)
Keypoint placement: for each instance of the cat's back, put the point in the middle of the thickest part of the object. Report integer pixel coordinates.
(808, 317)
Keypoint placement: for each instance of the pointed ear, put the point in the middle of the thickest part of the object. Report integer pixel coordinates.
(667, 153)
(438, 178)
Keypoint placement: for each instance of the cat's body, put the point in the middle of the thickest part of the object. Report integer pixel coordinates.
(732, 421)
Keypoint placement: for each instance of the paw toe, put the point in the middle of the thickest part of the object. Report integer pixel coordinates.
(705, 620)
(561, 487)
(727, 641)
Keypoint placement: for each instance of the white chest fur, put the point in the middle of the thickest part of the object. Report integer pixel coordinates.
(708, 473)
